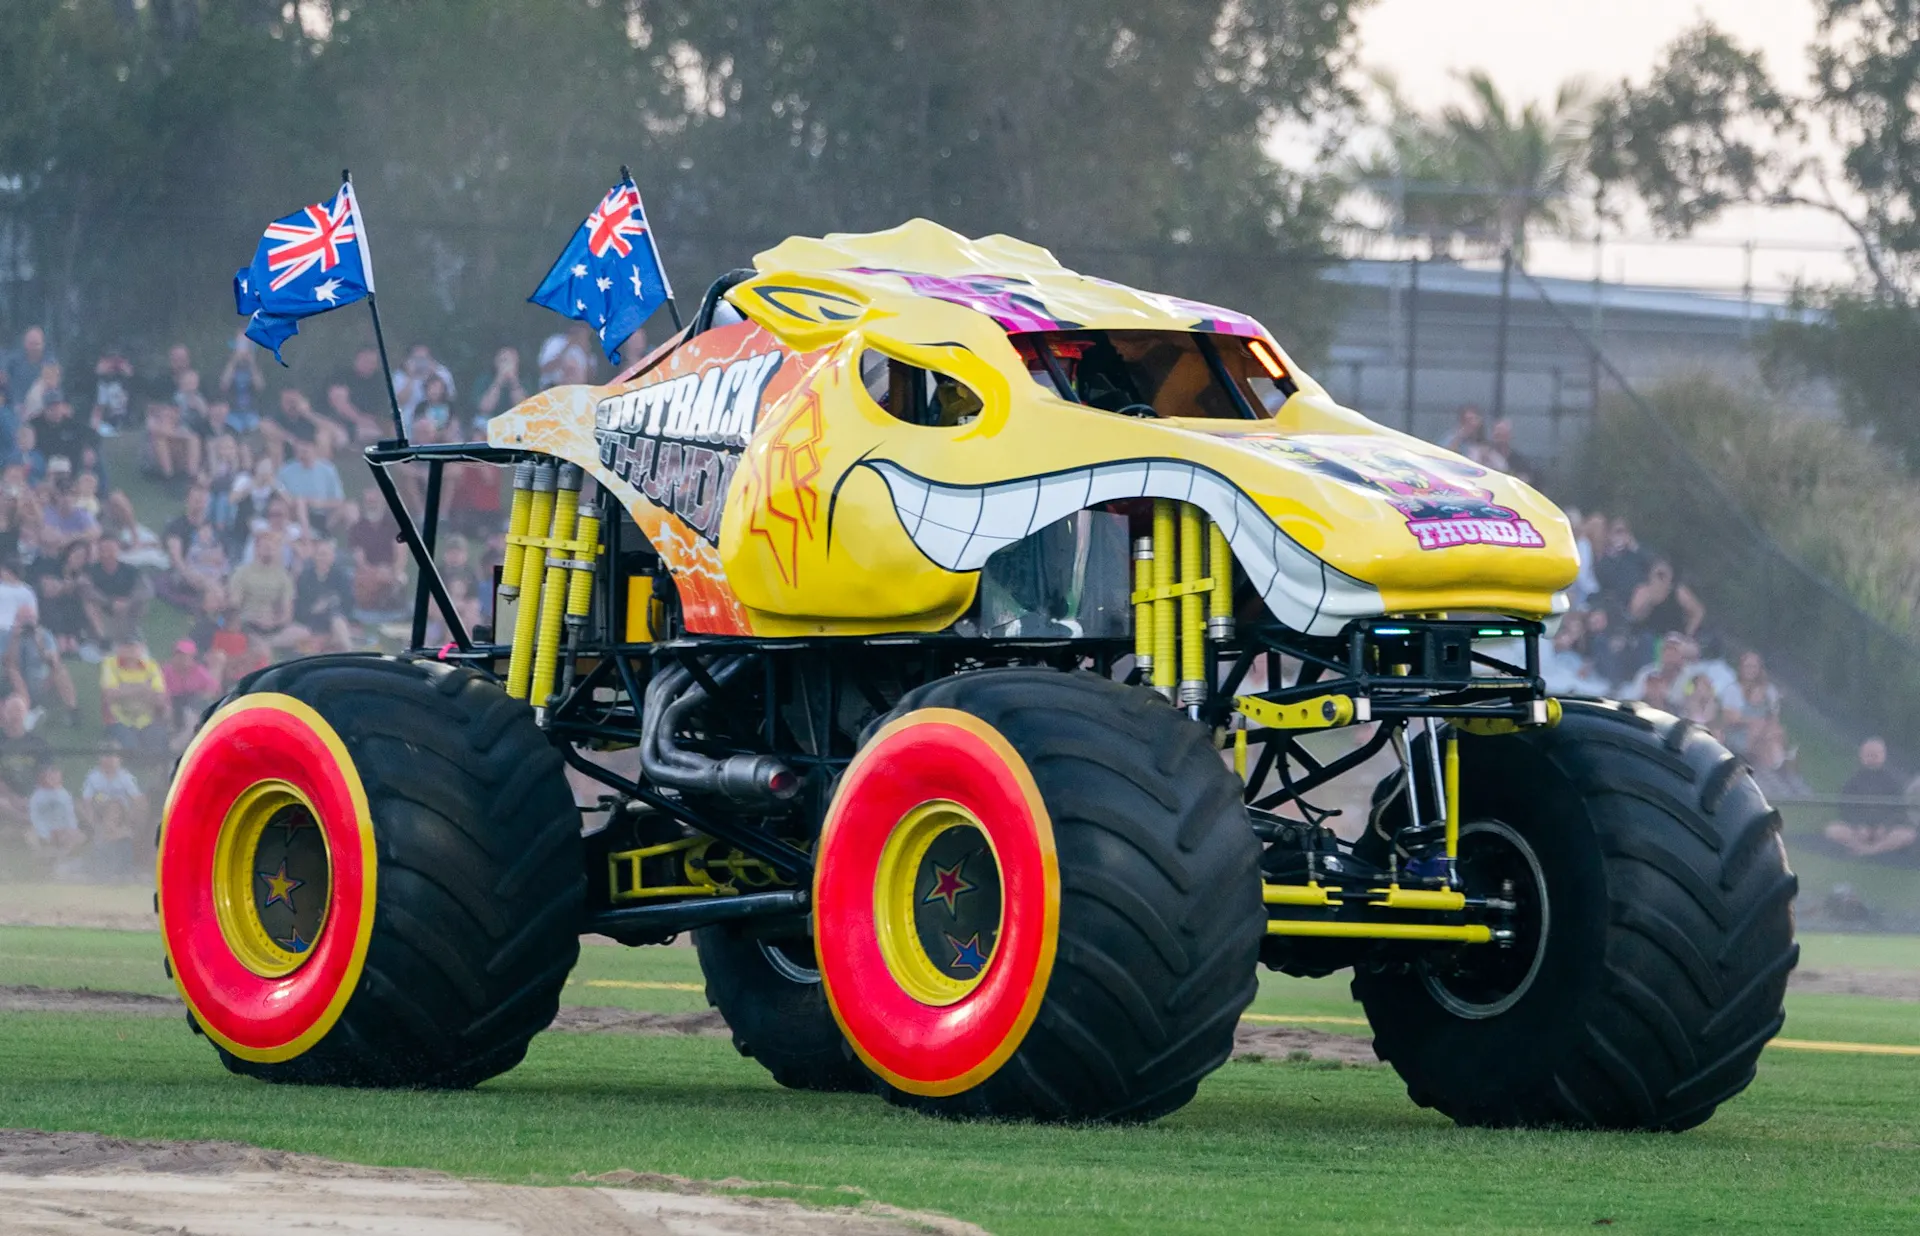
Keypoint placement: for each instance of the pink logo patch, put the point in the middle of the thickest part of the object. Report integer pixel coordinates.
(1465, 530)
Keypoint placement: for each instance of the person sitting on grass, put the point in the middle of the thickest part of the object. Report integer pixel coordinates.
(112, 807)
(260, 593)
(173, 450)
(55, 827)
(33, 666)
(133, 697)
(323, 598)
(1872, 830)
(191, 685)
(22, 752)
(63, 521)
(115, 594)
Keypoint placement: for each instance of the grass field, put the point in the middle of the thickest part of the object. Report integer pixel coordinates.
(1821, 1143)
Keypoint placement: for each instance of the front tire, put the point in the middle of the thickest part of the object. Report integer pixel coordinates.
(1654, 932)
(1037, 896)
(370, 875)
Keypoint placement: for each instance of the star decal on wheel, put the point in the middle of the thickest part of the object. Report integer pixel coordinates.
(949, 886)
(280, 886)
(293, 943)
(967, 954)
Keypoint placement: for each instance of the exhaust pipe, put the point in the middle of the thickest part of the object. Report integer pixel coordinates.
(759, 781)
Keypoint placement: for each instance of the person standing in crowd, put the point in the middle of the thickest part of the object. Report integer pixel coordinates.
(111, 399)
(56, 827)
(1468, 432)
(25, 362)
(133, 697)
(1500, 455)
(1873, 830)
(410, 384)
(503, 389)
(112, 806)
(1662, 603)
(241, 383)
(26, 453)
(314, 481)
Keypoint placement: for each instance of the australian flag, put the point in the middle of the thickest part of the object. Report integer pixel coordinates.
(610, 275)
(310, 262)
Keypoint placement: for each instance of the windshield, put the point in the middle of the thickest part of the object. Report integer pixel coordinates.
(1161, 373)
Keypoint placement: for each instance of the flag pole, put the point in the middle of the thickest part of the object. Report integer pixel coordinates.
(673, 310)
(373, 306)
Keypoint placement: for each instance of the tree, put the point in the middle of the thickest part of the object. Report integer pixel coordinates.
(1482, 172)
(1710, 129)
(142, 146)
(1485, 172)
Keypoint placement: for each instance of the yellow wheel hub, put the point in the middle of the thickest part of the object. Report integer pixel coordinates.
(272, 879)
(936, 902)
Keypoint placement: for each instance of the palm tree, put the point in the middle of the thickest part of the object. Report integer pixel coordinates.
(1526, 163)
(1484, 172)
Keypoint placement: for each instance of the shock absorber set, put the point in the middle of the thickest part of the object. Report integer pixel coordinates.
(548, 574)
(1182, 597)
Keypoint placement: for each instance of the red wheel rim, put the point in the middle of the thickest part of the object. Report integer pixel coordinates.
(935, 756)
(260, 741)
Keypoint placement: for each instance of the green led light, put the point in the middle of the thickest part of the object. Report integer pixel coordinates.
(1393, 630)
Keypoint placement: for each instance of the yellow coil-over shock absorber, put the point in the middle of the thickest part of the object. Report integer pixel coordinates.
(1142, 606)
(553, 592)
(531, 564)
(516, 529)
(1220, 571)
(1193, 621)
(1164, 631)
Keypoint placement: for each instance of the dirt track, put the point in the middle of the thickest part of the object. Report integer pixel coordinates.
(82, 1184)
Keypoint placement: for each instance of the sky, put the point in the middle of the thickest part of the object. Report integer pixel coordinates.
(1530, 46)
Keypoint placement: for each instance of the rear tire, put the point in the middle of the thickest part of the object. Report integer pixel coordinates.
(475, 903)
(1144, 849)
(769, 992)
(1667, 922)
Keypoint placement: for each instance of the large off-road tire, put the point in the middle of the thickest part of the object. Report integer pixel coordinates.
(769, 992)
(1656, 932)
(1037, 896)
(370, 875)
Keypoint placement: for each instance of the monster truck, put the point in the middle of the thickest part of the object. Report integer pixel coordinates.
(947, 638)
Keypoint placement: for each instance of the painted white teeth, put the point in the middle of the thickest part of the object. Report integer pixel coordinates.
(958, 527)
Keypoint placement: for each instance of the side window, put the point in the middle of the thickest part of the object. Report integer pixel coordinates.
(914, 395)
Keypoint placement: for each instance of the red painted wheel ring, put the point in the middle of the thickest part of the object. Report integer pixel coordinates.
(928, 755)
(258, 738)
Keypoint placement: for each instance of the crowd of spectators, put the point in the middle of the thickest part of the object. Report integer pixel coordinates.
(1637, 631)
(265, 549)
